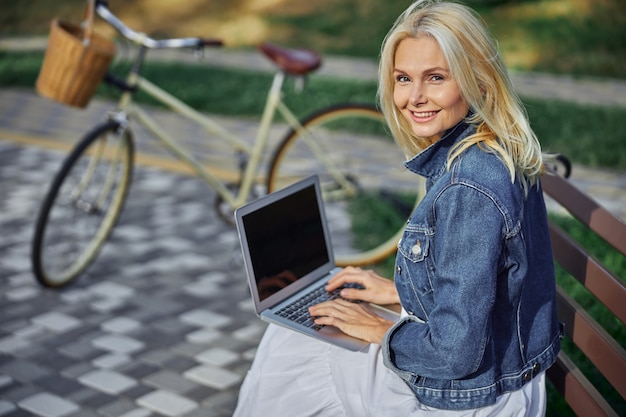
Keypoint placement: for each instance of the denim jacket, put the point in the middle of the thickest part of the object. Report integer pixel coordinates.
(475, 274)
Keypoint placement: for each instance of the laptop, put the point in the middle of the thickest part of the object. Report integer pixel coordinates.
(288, 259)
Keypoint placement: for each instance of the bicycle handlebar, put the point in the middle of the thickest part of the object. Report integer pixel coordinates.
(102, 9)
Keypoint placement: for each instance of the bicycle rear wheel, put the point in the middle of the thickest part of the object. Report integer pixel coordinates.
(83, 203)
(368, 193)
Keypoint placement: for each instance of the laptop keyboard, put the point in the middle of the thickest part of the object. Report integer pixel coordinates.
(298, 310)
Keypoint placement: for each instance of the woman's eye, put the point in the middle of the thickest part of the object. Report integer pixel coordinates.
(402, 78)
(436, 78)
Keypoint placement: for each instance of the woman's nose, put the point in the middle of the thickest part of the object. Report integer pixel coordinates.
(417, 95)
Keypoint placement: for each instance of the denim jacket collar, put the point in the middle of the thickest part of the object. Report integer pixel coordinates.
(431, 162)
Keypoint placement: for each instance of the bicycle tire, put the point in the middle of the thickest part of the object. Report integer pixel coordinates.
(355, 140)
(82, 205)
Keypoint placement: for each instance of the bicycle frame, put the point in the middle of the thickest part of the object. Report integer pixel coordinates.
(128, 109)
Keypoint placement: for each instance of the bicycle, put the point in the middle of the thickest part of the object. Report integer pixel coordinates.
(346, 145)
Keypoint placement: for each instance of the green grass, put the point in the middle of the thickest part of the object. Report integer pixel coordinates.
(589, 135)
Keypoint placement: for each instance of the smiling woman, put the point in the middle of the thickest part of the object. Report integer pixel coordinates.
(473, 273)
(424, 91)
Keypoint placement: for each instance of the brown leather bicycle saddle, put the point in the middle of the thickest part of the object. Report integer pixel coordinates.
(293, 61)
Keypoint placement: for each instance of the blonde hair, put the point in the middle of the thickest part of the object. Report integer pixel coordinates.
(500, 118)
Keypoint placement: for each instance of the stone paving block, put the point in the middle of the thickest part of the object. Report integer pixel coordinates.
(169, 381)
(12, 344)
(249, 354)
(112, 290)
(31, 333)
(85, 413)
(47, 405)
(138, 370)
(120, 325)
(22, 293)
(25, 371)
(138, 392)
(76, 296)
(56, 322)
(223, 401)
(107, 381)
(137, 412)
(171, 325)
(111, 361)
(77, 369)
(6, 407)
(167, 403)
(18, 391)
(217, 357)
(119, 407)
(106, 305)
(117, 343)
(5, 380)
(52, 360)
(179, 364)
(97, 399)
(213, 376)
(205, 318)
(203, 336)
(251, 332)
(82, 350)
(156, 357)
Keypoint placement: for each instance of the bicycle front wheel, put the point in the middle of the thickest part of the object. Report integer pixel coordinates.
(368, 193)
(82, 205)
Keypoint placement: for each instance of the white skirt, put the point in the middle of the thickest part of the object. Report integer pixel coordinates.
(294, 375)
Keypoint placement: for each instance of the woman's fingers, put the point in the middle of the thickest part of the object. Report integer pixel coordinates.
(353, 319)
(347, 275)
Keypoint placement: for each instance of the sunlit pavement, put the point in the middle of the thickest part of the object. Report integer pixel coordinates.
(159, 325)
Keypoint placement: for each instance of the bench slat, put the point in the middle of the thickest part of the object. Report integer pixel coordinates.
(589, 272)
(601, 349)
(585, 209)
(579, 393)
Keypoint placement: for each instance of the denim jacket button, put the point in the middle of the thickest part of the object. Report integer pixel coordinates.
(527, 376)
(399, 270)
(417, 248)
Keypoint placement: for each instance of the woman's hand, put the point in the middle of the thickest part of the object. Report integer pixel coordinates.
(376, 289)
(351, 318)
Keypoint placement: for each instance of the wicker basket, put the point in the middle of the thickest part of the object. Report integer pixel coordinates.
(75, 61)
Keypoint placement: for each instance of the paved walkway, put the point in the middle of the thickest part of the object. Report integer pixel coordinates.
(161, 324)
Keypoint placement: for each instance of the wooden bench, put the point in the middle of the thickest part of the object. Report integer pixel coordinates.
(602, 350)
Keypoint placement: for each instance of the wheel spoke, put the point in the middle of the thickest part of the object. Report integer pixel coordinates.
(367, 191)
(84, 201)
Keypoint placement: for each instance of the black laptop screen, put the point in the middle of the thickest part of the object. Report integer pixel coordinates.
(286, 241)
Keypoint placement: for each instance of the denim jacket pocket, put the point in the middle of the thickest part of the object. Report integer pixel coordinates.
(414, 248)
(415, 270)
